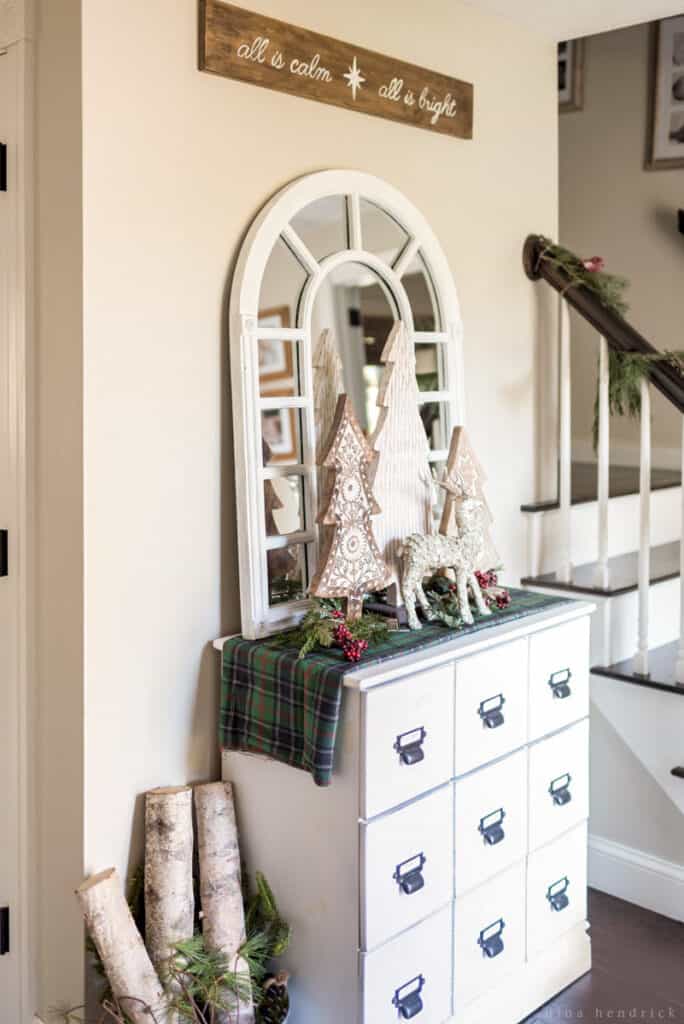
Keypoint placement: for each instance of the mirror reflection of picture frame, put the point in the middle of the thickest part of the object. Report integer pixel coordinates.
(279, 426)
(665, 148)
(571, 75)
(275, 355)
(279, 431)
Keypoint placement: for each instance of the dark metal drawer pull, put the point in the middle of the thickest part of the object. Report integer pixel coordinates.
(560, 683)
(490, 711)
(491, 827)
(409, 746)
(409, 874)
(490, 941)
(557, 894)
(408, 1003)
(560, 790)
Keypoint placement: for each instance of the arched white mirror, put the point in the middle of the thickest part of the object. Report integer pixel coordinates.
(330, 264)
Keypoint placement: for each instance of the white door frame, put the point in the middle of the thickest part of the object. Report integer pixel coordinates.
(16, 37)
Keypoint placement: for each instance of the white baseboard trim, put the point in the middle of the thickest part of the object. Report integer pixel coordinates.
(637, 877)
(628, 454)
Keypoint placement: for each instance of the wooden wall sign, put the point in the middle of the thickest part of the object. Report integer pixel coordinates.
(274, 54)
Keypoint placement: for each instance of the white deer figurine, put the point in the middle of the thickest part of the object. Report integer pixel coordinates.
(424, 555)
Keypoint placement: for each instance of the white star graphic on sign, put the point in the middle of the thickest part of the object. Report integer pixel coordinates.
(354, 78)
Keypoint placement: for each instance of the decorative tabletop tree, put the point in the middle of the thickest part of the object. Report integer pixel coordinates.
(350, 563)
(402, 482)
(328, 386)
(464, 477)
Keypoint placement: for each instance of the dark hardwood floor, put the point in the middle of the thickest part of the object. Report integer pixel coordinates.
(638, 972)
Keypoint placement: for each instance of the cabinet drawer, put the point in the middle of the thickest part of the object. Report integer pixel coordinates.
(491, 705)
(491, 821)
(408, 739)
(559, 783)
(489, 935)
(556, 889)
(407, 859)
(559, 677)
(411, 975)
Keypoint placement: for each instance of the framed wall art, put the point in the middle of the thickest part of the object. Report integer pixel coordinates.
(666, 126)
(571, 75)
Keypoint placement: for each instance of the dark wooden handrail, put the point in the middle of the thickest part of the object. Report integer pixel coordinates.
(620, 335)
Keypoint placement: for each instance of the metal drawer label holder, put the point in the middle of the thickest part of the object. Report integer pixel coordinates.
(409, 746)
(560, 683)
(557, 894)
(490, 941)
(407, 998)
(409, 874)
(560, 790)
(491, 827)
(490, 711)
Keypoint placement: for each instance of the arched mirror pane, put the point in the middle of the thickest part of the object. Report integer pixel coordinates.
(355, 308)
(430, 366)
(282, 284)
(435, 419)
(287, 574)
(381, 234)
(284, 505)
(279, 368)
(421, 294)
(281, 435)
(322, 226)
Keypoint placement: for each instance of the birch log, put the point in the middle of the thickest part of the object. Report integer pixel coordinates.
(223, 915)
(133, 979)
(169, 896)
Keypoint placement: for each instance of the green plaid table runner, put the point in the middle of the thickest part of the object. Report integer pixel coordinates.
(288, 709)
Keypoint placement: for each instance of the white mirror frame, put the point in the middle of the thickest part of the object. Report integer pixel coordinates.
(274, 221)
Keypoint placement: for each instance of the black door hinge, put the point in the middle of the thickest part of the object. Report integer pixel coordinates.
(4, 568)
(4, 931)
(3, 167)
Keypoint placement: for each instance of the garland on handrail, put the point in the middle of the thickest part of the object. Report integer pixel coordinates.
(589, 273)
(626, 370)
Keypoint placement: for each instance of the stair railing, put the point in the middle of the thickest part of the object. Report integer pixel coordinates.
(616, 334)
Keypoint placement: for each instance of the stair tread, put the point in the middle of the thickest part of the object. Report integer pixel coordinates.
(623, 480)
(623, 573)
(661, 674)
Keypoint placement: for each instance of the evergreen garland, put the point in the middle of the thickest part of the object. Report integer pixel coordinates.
(324, 625)
(626, 371)
(608, 288)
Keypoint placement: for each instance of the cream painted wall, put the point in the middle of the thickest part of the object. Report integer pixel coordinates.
(611, 206)
(175, 165)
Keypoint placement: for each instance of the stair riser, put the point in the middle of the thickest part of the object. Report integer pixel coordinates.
(651, 724)
(619, 618)
(545, 539)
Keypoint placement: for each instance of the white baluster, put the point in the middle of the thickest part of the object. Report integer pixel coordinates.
(645, 531)
(603, 468)
(565, 443)
(679, 667)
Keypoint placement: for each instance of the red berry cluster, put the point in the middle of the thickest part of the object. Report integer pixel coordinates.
(486, 579)
(351, 648)
(354, 649)
(503, 599)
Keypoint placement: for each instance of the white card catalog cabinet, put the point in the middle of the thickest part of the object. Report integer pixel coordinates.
(442, 876)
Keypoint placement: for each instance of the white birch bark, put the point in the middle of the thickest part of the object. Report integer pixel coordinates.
(132, 977)
(402, 484)
(223, 915)
(169, 896)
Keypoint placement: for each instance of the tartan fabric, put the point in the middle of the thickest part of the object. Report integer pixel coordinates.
(273, 703)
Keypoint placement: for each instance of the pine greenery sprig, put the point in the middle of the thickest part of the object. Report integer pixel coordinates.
(608, 288)
(626, 371)
(317, 628)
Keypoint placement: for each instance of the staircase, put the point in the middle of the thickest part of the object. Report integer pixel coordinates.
(614, 537)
